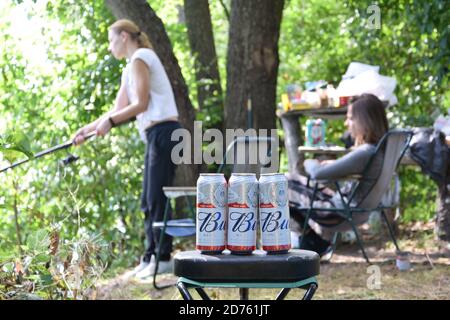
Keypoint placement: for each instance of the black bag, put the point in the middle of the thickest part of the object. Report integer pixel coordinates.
(429, 149)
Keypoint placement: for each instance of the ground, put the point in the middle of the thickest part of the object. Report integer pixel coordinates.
(346, 276)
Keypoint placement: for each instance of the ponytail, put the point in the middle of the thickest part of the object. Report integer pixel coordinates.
(133, 30)
(143, 41)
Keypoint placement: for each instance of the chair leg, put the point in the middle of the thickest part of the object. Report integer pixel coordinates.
(184, 291)
(191, 207)
(155, 285)
(158, 252)
(305, 225)
(283, 293)
(360, 243)
(391, 232)
(310, 292)
(243, 293)
(334, 241)
(202, 294)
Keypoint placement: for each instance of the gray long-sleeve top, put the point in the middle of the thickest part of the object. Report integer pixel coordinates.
(351, 164)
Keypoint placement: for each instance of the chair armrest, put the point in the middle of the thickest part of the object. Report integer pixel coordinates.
(327, 181)
(180, 223)
(175, 192)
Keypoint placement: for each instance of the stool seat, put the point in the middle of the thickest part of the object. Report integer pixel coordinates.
(259, 267)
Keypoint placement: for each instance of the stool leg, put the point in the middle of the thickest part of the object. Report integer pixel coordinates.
(184, 291)
(158, 253)
(283, 293)
(243, 293)
(202, 294)
(310, 292)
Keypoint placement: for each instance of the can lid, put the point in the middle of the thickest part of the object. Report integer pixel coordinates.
(243, 174)
(211, 174)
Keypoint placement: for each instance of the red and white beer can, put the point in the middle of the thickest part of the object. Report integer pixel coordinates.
(274, 213)
(242, 213)
(211, 213)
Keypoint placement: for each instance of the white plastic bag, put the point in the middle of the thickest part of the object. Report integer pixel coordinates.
(369, 82)
(442, 123)
(356, 68)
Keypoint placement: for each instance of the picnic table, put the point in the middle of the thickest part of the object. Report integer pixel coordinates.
(294, 141)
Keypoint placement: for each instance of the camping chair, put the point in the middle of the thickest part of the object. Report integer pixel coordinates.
(394, 144)
(176, 227)
(186, 227)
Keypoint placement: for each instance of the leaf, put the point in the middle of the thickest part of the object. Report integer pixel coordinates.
(46, 279)
(42, 258)
(12, 145)
(38, 241)
(8, 267)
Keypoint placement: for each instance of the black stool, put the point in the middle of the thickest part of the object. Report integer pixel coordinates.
(296, 269)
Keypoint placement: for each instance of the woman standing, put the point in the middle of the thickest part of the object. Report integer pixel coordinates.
(145, 93)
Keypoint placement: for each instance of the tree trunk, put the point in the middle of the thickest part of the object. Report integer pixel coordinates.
(201, 40)
(140, 12)
(252, 65)
(292, 140)
(443, 214)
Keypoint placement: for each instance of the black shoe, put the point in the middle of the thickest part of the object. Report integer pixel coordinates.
(313, 242)
(306, 244)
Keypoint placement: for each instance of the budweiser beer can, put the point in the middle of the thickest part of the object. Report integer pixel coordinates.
(242, 213)
(211, 213)
(274, 213)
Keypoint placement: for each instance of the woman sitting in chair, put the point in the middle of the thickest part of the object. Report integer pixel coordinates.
(367, 123)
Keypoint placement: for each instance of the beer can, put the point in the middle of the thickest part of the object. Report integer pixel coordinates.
(242, 213)
(211, 213)
(274, 213)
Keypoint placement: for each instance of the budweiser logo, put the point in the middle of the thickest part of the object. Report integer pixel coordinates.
(210, 221)
(272, 221)
(242, 222)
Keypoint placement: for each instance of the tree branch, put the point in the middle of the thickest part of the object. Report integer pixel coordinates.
(227, 13)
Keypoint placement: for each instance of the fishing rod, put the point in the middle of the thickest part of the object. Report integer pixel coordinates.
(62, 146)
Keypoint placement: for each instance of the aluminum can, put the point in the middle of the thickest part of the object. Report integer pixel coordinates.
(315, 133)
(242, 213)
(211, 213)
(274, 213)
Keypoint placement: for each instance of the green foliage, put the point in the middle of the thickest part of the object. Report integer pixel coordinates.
(320, 38)
(418, 195)
(57, 75)
(11, 145)
(67, 81)
(406, 47)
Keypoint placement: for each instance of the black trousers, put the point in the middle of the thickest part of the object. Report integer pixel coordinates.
(159, 171)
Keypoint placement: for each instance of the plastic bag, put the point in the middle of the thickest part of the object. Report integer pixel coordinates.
(442, 123)
(356, 68)
(369, 82)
